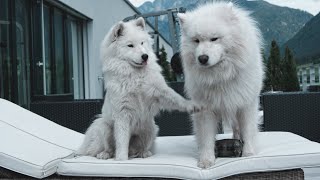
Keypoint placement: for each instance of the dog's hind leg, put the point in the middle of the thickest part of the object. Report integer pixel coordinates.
(248, 117)
(92, 144)
(108, 142)
(205, 128)
(90, 147)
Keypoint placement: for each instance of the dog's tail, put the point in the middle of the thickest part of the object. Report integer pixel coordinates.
(260, 121)
(85, 147)
(97, 116)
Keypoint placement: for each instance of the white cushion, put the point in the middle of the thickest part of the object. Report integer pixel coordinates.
(31, 144)
(175, 157)
(36, 125)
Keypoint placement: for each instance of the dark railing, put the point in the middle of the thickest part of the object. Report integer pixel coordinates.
(298, 113)
(78, 114)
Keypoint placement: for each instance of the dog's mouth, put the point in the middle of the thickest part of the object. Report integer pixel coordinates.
(207, 65)
(143, 63)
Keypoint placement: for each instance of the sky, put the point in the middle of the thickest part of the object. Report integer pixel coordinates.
(311, 6)
(137, 3)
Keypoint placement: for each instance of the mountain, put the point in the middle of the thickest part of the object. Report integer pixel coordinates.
(166, 4)
(306, 43)
(279, 23)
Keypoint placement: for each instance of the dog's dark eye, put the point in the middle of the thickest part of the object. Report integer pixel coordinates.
(213, 39)
(141, 43)
(196, 40)
(130, 45)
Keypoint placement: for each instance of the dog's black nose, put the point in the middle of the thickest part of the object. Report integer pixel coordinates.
(203, 59)
(145, 57)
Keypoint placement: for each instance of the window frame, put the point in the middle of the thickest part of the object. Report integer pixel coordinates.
(308, 75)
(316, 74)
(69, 78)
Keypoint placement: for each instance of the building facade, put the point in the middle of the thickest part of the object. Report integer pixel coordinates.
(49, 49)
(308, 75)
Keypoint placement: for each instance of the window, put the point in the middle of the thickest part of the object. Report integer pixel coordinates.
(5, 55)
(75, 53)
(41, 51)
(308, 75)
(300, 76)
(47, 49)
(316, 73)
(14, 54)
(63, 73)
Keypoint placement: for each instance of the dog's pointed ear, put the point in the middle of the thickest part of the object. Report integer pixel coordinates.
(117, 30)
(140, 22)
(230, 5)
(232, 12)
(182, 18)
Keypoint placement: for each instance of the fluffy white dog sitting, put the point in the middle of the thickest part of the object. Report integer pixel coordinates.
(136, 92)
(223, 70)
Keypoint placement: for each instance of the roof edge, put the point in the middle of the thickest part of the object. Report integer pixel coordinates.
(138, 12)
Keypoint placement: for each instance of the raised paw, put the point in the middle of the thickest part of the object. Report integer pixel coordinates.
(104, 155)
(194, 108)
(206, 163)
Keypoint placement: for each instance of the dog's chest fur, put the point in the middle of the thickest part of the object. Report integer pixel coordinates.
(232, 94)
(131, 91)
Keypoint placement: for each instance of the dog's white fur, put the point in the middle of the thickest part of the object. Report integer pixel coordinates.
(136, 92)
(230, 82)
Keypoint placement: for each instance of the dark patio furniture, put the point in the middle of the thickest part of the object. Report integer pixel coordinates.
(78, 114)
(297, 112)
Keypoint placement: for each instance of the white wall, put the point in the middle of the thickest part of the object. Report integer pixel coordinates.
(303, 68)
(104, 13)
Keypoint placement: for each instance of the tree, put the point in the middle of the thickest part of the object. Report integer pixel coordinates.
(267, 80)
(274, 64)
(281, 75)
(289, 70)
(165, 65)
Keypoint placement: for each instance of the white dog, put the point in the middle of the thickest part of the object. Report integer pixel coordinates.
(220, 50)
(136, 92)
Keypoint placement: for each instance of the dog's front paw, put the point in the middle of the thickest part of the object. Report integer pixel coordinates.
(121, 154)
(143, 154)
(206, 163)
(247, 152)
(121, 158)
(104, 155)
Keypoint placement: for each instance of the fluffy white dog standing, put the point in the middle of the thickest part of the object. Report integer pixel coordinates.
(223, 69)
(136, 91)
